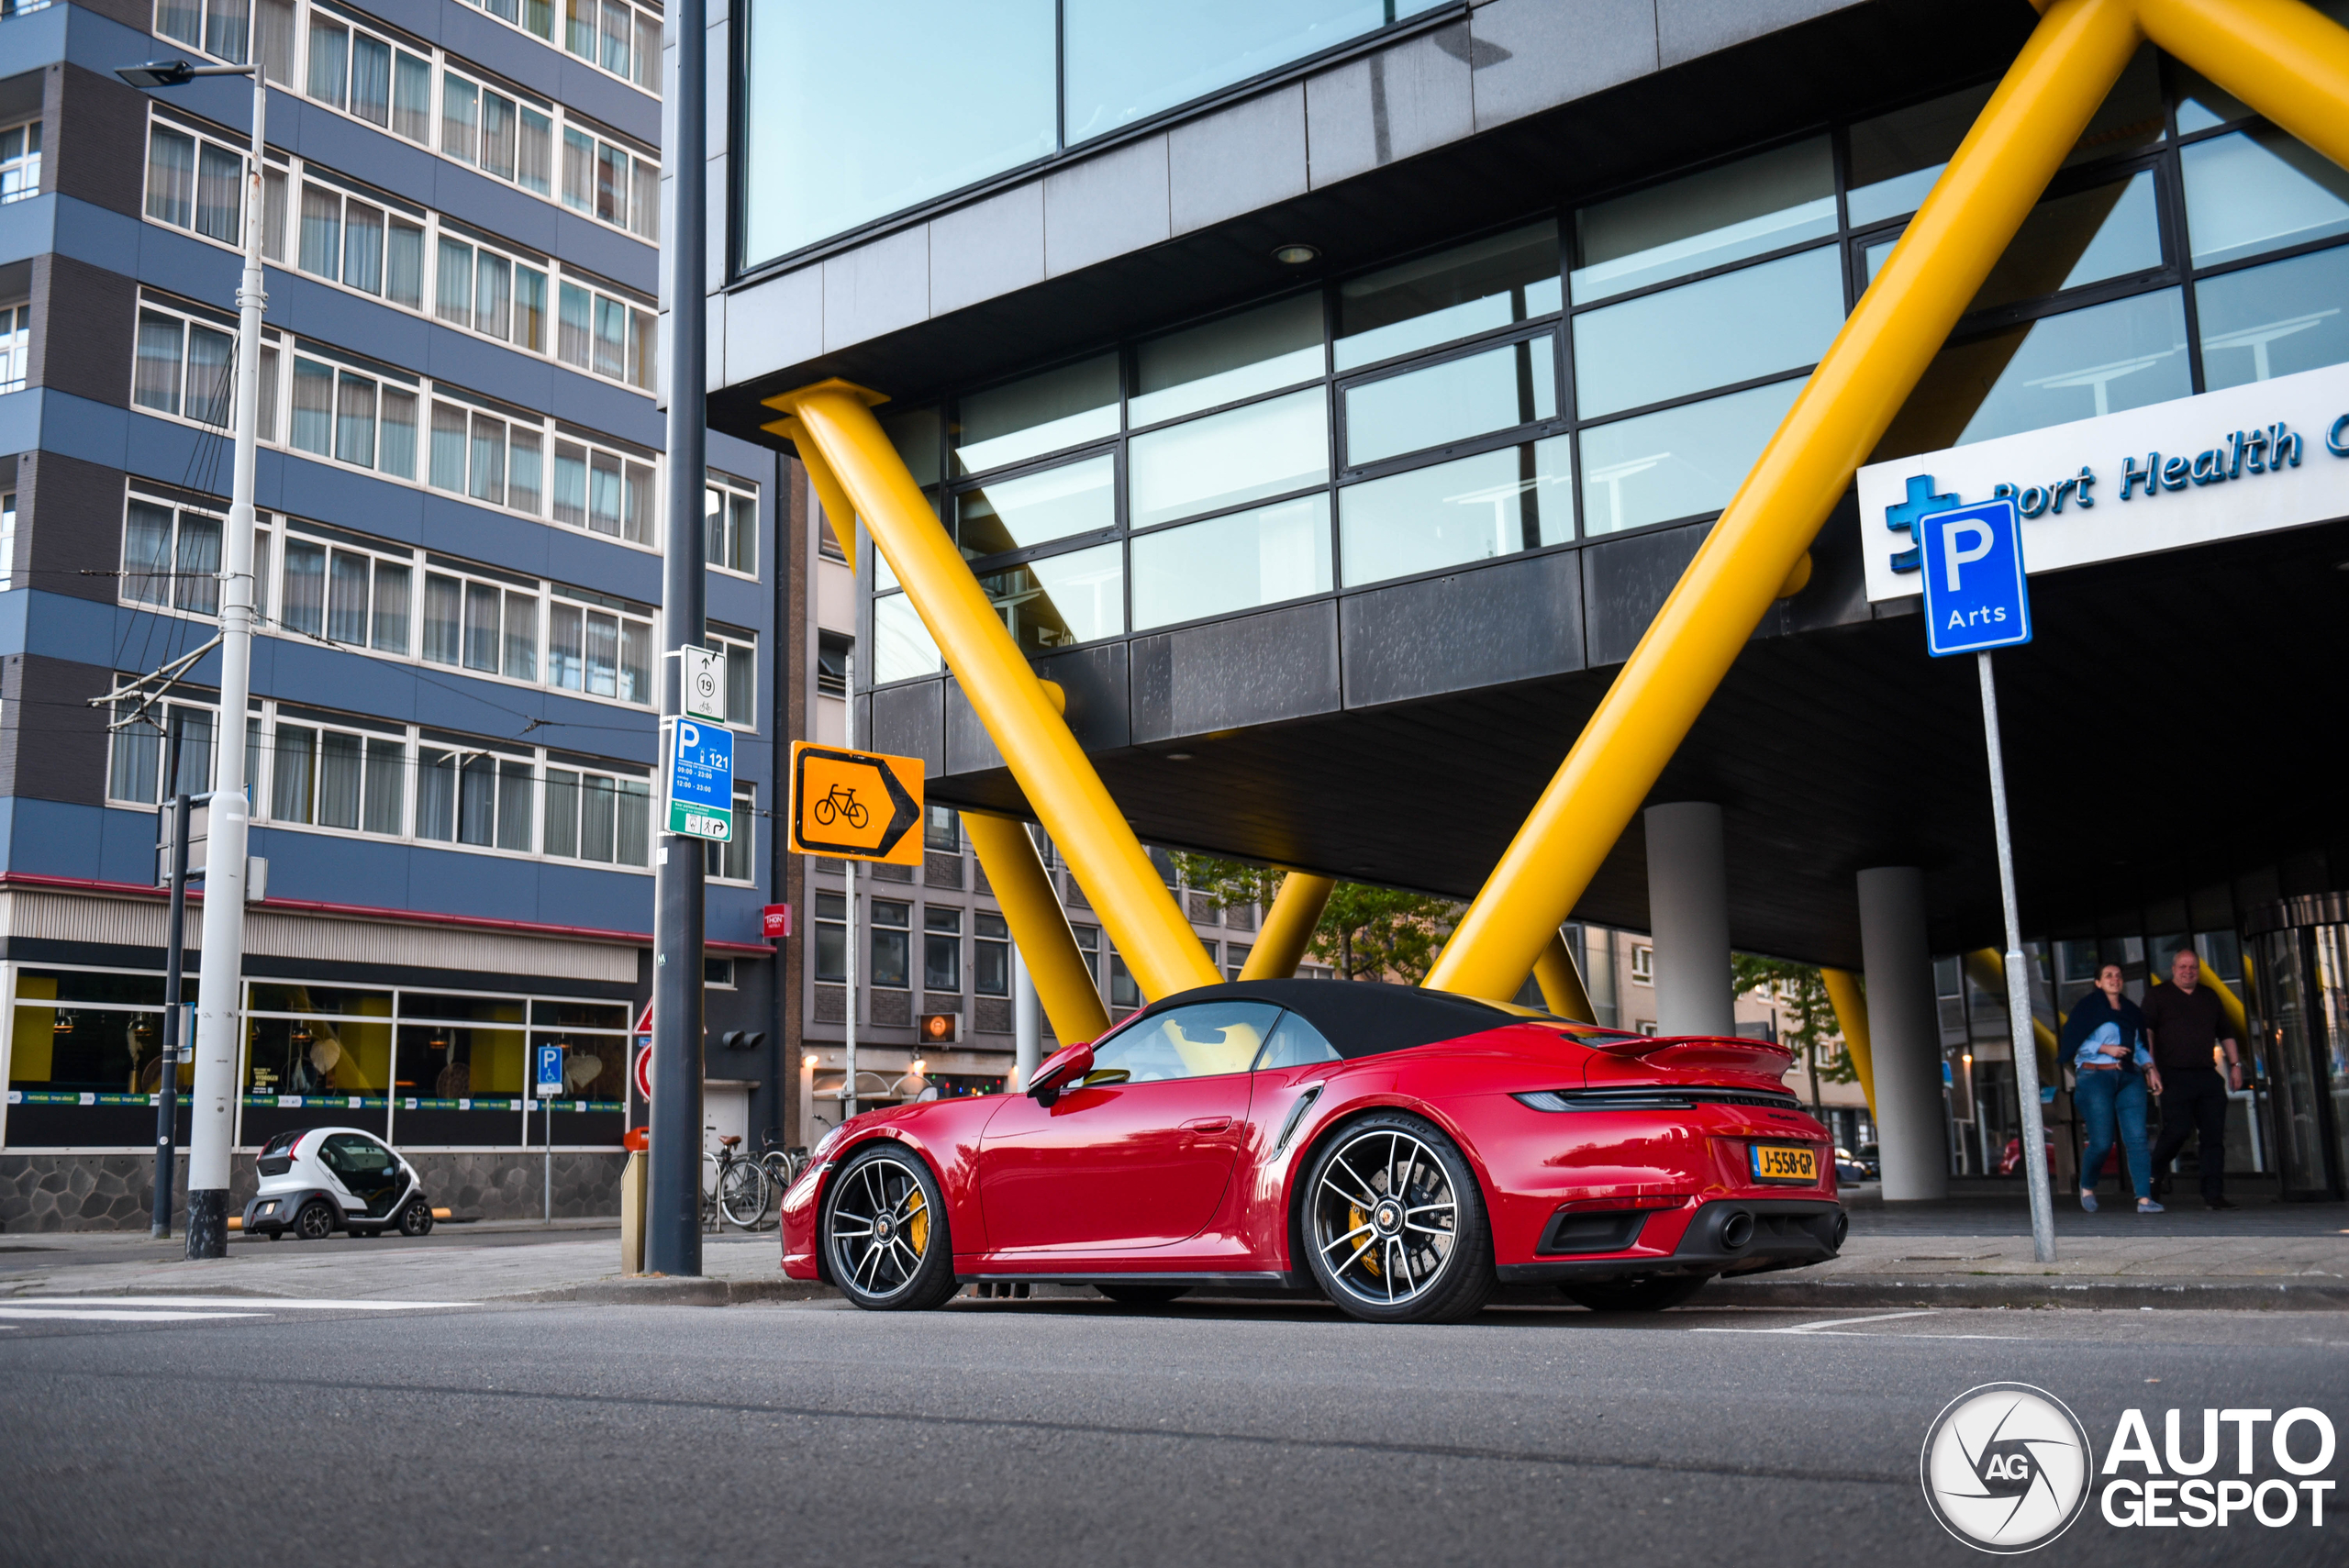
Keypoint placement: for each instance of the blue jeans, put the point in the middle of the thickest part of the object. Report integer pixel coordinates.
(2102, 1097)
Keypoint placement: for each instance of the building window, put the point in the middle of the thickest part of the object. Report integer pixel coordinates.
(943, 830)
(730, 528)
(990, 954)
(832, 664)
(140, 747)
(20, 162)
(1123, 991)
(599, 816)
(830, 937)
(733, 861)
(741, 651)
(171, 556)
(717, 971)
(1235, 959)
(7, 541)
(501, 129)
(1088, 948)
(15, 346)
(891, 939)
(942, 947)
(1642, 963)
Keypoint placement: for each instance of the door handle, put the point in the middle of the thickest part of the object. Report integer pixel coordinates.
(1206, 1124)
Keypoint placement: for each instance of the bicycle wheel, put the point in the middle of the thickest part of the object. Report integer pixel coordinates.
(824, 812)
(858, 817)
(742, 1194)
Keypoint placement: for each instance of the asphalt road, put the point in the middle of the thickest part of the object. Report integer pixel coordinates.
(1050, 1432)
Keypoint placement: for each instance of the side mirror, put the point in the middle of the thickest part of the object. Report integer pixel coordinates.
(1058, 1071)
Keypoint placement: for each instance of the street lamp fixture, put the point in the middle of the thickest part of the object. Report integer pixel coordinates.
(175, 72)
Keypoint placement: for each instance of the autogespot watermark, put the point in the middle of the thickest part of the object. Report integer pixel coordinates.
(2008, 1468)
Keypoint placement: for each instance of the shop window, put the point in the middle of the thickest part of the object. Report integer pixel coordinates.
(990, 954)
(891, 937)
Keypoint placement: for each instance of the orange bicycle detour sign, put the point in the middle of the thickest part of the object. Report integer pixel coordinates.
(860, 806)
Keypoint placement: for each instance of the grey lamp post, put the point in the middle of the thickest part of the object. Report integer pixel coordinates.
(212, 1120)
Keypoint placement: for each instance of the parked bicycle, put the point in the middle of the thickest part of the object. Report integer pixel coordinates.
(781, 1165)
(737, 1196)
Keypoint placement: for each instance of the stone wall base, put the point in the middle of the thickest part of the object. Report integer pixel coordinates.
(43, 1192)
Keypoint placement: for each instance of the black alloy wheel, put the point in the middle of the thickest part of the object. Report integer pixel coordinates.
(883, 1232)
(316, 1222)
(1395, 1227)
(415, 1220)
(1143, 1294)
(1645, 1293)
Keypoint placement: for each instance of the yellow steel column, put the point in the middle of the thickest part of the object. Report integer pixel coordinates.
(1289, 927)
(1851, 1023)
(2022, 137)
(2285, 58)
(1015, 873)
(1561, 981)
(837, 510)
(1019, 716)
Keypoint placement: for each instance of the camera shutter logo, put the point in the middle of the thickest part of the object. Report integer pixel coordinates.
(2006, 1467)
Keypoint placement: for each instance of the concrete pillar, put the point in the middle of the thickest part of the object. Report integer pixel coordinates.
(1027, 1023)
(1904, 1033)
(1688, 914)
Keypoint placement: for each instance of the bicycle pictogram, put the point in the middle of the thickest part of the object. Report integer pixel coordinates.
(838, 802)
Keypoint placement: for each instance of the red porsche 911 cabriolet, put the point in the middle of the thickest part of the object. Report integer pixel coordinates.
(1399, 1151)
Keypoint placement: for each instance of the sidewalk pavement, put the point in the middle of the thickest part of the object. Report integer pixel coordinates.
(1973, 1250)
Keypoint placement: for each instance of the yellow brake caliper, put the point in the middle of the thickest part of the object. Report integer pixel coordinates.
(918, 1226)
(1355, 1220)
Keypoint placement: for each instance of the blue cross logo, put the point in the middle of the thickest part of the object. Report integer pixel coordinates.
(1906, 517)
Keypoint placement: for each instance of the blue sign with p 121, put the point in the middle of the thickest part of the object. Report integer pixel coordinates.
(1976, 596)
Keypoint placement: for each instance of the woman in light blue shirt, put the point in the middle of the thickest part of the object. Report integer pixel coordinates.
(2105, 1037)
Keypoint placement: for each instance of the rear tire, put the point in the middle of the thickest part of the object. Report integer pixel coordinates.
(1394, 1228)
(1143, 1294)
(883, 1234)
(1651, 1293)
(316, 1222)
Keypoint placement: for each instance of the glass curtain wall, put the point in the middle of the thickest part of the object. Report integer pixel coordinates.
(943, 96)
(1612, 367)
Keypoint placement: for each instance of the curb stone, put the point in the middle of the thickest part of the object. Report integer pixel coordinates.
(2028, 1291)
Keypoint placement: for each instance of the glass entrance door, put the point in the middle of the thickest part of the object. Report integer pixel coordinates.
(2304, 1002)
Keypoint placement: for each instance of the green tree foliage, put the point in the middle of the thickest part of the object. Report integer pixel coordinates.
(1814, 1035)
(1367, 933)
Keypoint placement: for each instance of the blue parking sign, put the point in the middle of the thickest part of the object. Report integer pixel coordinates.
(1975, 598)
(701, 780)
(550, 1073)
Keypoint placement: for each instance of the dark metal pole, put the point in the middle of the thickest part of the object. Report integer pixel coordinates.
(673, 1218)
(167, 1086)
(781, 560)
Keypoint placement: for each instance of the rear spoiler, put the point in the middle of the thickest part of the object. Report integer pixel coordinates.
(1707, 1054)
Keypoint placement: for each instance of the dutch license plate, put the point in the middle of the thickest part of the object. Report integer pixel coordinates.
(1793, 1163)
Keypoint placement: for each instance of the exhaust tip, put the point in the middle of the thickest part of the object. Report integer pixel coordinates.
(1737, 1229)
(1843, 1228)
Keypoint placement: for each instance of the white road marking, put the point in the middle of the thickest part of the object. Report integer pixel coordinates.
(42, 1314)
(1824, 1325)
(265, 1303)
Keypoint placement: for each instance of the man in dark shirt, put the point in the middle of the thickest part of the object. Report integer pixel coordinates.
(2188, 1026)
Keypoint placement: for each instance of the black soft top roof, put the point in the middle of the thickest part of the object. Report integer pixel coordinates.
(1357, 1017)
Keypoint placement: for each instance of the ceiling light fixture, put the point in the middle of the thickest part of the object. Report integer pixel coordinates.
(1178, 756)
(1295, 255)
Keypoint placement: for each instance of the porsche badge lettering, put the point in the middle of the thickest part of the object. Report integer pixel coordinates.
(857, 804)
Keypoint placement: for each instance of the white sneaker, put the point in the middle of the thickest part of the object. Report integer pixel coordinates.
(2087, 1201)
(2147, 1206)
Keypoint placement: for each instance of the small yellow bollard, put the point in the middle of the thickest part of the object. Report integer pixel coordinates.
(632, 1177)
